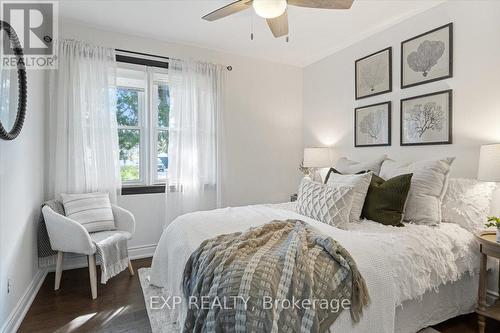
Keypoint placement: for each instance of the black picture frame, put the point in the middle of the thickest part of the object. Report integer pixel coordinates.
(450, 119)
(450, 57)
(389, 131)
(11, 133)
(356, 93)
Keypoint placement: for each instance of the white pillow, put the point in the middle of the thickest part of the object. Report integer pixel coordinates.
(346, 166)
(467, 202)
(428, 187)
(327, 204)
(360, 184)
(92, 210)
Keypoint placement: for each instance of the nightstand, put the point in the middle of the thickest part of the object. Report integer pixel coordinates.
(488, 247)
(293, 197)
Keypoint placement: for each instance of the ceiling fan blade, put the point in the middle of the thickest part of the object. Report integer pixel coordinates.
(279, 25)
(227, 10)
(325, 4)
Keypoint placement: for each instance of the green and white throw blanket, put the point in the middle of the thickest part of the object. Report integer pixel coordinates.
(279, 277)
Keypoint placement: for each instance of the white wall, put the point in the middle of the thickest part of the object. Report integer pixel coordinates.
(329, 87)
(262, 131)
(21, 194)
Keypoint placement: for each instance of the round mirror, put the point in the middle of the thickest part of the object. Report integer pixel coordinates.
(13, 90)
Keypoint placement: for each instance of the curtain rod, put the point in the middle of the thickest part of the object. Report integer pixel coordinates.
(229, 68)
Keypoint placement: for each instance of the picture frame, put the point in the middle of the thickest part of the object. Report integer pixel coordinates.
(427, 119)
(373, 74)
(427, 57)
(372, 125)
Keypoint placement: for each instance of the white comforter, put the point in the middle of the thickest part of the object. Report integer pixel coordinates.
(397, 264)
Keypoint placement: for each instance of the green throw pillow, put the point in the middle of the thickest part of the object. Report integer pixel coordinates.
(385, 200)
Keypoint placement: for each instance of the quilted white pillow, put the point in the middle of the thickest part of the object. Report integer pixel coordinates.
(327, 204)
(467, 202)
(428, 187)
(346, 166)
(360, 184)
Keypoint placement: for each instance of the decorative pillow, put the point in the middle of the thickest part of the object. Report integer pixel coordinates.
(333, 170)
(386, 199)
(428, 186)
(346, 166)
(92, 210)
(467, 202)
(328, 204)
(359, 183)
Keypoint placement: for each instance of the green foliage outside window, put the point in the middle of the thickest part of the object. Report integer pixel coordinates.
(163, 105)
(127, 114)
(129, 172)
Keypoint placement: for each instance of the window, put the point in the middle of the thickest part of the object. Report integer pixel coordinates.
(161, 113)
(142, 111)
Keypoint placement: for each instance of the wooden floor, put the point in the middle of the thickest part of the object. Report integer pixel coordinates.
(120, 307)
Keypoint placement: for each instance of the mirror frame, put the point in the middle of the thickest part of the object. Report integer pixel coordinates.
(22, 84)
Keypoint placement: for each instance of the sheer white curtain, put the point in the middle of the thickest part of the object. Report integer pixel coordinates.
(82, 121)
(193, 181)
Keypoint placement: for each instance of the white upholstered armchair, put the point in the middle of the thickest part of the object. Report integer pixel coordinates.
(67, 235)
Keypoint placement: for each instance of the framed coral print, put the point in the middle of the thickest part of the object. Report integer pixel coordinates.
(427, 57)
(372, 125)
(373, 74)
(427, 119)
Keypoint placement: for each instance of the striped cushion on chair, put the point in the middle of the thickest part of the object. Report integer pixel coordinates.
(92, 210)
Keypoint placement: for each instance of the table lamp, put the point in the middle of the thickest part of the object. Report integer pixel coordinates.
(489, 163)
(315, 158)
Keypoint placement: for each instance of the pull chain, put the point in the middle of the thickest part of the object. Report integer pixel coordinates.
(251, 27)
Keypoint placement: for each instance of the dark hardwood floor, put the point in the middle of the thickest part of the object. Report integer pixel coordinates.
(120, 307)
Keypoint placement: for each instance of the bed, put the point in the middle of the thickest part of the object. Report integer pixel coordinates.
(416, 275)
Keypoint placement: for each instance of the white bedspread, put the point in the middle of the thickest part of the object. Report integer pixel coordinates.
(397, 263)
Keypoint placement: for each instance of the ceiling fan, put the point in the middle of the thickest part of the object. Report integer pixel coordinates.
(275, 11)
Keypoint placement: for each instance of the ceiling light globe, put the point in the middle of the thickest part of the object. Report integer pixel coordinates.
(269, 8)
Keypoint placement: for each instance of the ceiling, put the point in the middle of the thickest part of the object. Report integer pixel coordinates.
(314, 33)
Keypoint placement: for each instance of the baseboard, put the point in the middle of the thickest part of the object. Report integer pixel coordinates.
(74, 261)
(142, 251)
(19, 312)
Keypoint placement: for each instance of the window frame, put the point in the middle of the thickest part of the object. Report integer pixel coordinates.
(155, 127)
(148, 125)
(142, 136)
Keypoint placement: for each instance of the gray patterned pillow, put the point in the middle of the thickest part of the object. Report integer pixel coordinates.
(328, 204)
(92, 210)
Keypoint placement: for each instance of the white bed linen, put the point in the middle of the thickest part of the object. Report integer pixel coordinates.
(451, 300)
(397, 264)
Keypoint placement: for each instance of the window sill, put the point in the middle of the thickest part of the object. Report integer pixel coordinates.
(131, 190)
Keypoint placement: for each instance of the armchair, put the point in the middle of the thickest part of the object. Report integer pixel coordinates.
(67, 235)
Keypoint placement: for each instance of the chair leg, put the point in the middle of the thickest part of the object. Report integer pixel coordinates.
(130, 268)
(59, 268)
(93, 276)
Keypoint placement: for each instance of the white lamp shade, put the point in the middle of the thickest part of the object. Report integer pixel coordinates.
(269, 8)
(489, 163)
(317, 157)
